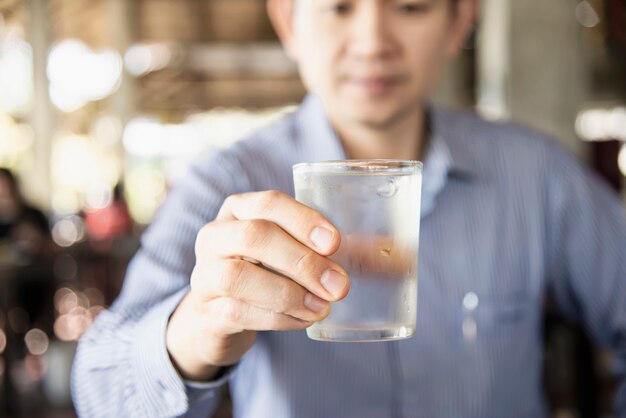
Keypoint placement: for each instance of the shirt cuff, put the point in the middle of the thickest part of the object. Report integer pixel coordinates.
(199, 391)
(160, 385)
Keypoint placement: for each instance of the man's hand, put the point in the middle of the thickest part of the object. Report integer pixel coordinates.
(261, 265)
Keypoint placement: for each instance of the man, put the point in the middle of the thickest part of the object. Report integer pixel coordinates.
(506, 217)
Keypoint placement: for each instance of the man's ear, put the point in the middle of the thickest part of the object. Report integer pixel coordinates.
(281, 14)
(463, 21)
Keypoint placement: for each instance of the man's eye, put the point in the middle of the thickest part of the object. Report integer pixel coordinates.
(340, 8)
(412, 7)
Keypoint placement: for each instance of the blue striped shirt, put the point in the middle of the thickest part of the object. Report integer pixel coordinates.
(507, 216)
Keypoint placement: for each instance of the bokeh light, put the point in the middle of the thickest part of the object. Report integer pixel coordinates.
(146, 190)
(65, 300)
(106, 129)
(70, 327)
(599, 124)
(144, 136)
(78, 75)
(142, 59)
(16, 139)
(586, 15)
(82, 172)
(616, 123)
(36, 342)
(68, 231)
(98, 196)
(76, 162)
(16, 72)
(76, 311)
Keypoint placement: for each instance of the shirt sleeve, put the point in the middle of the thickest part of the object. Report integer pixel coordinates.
(587, 246)
(122, 367)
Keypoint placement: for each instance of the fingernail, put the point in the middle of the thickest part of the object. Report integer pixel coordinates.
(322, 238)
(314, 303)
(334, 282)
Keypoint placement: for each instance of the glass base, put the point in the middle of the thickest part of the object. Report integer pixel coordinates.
(337, 334)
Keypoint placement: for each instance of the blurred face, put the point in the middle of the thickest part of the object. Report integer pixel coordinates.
(9, 204)
(373, 61)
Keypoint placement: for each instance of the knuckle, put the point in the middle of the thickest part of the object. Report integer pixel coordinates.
(283, 303)
(230, 278)
(306, 262)
(265, 200)
(231, 200)
(227, 312)
(254, 232)
(275, 320)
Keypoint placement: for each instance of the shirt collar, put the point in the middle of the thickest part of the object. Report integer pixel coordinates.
(446, 137)
(318, 140)
(447, 153)
(451, 132)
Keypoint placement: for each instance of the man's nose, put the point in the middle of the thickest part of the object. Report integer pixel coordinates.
(370, 35)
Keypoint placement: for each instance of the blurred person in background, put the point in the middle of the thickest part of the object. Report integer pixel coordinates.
(23, 229)
(507, 216)
(27, 250)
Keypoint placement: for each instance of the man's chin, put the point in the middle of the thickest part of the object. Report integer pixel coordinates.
(372, 117)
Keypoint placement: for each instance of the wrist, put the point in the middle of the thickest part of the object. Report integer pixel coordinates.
(181, 345)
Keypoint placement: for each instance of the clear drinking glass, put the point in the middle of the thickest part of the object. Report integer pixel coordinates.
(375, 204)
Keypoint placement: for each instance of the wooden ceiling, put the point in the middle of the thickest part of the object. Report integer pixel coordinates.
(196, 24)
(187, 26)
(203, 20)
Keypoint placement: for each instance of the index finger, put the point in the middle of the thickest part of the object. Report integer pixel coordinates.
(306, 225)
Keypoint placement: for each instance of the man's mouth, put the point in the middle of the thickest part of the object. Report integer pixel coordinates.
(376, 85)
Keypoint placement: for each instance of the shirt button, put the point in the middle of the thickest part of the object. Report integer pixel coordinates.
(470, 301)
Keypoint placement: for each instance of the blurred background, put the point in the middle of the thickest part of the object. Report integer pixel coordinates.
(104, 102)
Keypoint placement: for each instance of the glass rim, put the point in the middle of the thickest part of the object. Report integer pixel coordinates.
(360, 166)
